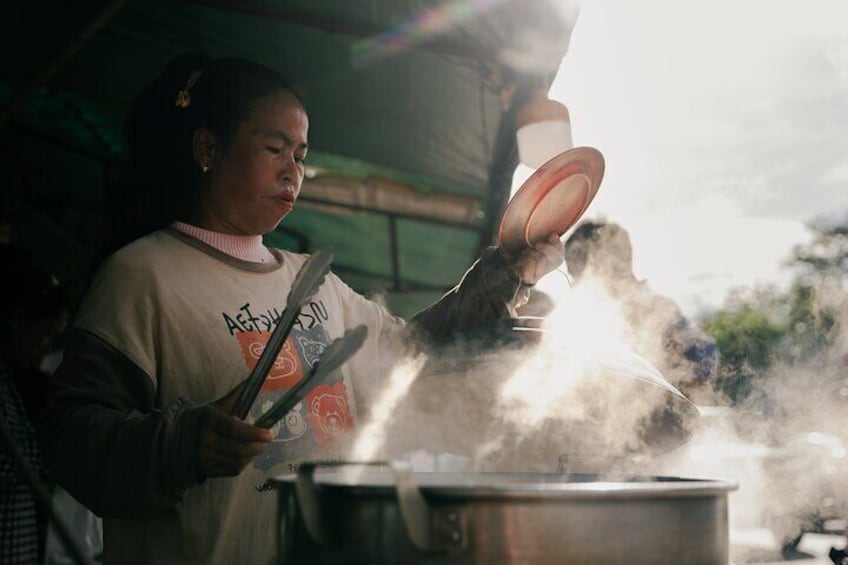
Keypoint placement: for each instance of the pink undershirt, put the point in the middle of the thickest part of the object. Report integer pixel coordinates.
(244, 247)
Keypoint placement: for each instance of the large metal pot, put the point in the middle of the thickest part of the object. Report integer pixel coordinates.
(394, 515)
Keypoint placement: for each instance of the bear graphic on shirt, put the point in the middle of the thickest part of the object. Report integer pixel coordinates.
(329, 412)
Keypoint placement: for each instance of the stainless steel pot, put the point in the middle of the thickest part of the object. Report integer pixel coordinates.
(393, 515)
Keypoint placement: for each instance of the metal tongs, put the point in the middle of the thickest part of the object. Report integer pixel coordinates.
(306, 283)
(339, 351)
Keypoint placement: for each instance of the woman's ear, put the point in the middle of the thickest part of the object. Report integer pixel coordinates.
(204, 148)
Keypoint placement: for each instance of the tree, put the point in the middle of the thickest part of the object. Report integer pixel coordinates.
(746, 339)
(827, 254)
(759, 329)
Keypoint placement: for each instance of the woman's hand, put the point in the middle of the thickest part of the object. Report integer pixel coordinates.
(227, 444)
(535, 262)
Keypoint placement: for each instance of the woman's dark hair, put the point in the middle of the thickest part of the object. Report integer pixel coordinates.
(161, 180)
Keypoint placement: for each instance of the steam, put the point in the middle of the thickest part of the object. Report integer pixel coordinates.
(580, 400)
(786, 445)
(788, 459)
(579, 395)
(582, 396)
(373, 436)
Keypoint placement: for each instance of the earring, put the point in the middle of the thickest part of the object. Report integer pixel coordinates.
(205, 168)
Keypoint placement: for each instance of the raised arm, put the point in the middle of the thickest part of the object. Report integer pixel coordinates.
(490, 290)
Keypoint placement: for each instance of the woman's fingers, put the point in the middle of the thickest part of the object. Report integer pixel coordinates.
(226, 444)
(227, 426)
(553, 253)
(535, 262)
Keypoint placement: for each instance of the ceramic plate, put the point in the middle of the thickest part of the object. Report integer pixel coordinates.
(552, 200)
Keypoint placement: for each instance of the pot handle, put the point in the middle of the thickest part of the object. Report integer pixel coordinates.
(419, 518)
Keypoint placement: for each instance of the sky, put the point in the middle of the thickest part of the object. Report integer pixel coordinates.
(724, 126)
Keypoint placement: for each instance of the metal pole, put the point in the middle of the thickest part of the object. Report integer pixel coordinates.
(395, 251)
(18, 99)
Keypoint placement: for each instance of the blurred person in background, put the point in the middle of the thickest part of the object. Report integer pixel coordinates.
(34, 311)
(600, 253)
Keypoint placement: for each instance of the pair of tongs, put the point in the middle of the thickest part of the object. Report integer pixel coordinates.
(310, 276)
(339, 351)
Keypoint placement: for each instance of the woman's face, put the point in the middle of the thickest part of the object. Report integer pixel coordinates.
(253, 184)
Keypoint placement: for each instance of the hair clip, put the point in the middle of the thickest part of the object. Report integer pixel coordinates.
(183, 97)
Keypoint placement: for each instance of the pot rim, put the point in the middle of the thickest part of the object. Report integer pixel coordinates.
(516, 485)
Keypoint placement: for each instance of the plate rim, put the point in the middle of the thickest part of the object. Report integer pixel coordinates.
(590, 162)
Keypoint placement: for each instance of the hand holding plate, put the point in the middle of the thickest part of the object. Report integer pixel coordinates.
(532, 263)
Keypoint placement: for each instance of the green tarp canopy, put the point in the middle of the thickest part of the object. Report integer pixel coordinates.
(411, 107)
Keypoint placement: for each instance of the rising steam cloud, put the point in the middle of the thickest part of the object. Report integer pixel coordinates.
(786, 445)
(578, 395)
(581, 400)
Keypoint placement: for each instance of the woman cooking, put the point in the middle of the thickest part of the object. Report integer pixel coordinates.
(138, 425)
